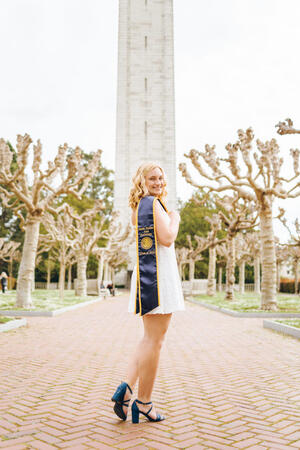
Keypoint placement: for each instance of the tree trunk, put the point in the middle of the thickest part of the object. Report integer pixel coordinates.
(257, 275)
(106, 271)
(242, 277)
(61, 281)
(211, 282)
(113, 277)
(192, 270)
(278, 275)
(268, 255)
(33, 280)
(191, 275)
(220, 277)
(48, 274)
(180, 270)
(296, 275)
(81, 275)
(100, 273)
(230, 279)
(10, 273)
(69, 277)
(62, 270)
(26, 270)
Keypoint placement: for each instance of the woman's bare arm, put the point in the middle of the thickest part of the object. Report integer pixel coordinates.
(166, 230)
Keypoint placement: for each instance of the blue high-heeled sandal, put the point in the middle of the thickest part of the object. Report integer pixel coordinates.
(135, 412)
(118, 398)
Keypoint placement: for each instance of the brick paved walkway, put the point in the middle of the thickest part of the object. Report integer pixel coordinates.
(223, 383)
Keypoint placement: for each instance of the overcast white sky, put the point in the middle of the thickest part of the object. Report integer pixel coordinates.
(236, 65)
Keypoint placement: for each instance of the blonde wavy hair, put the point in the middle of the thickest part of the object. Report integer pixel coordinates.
(139, 189)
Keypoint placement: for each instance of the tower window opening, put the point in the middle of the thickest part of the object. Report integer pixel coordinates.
(146, 84)
(146, 128)
(146, 41)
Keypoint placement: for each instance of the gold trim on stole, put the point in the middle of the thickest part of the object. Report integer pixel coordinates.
(157, 276)
(138, 284)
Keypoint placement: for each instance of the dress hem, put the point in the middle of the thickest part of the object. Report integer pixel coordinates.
(158, 312)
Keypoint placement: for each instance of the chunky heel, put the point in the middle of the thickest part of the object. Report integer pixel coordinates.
(118, 398)
(135, 413)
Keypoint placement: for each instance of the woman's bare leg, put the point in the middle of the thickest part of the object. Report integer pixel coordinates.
(145, 361)
(132, 373)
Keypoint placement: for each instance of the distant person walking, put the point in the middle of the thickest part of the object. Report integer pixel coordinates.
(3, 277)
(156, 290)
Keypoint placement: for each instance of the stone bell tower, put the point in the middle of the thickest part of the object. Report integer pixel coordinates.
(145, 101)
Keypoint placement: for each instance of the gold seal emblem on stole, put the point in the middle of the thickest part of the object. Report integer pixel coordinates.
(146, 243)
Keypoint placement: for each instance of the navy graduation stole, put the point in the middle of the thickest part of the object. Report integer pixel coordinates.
(147, 288)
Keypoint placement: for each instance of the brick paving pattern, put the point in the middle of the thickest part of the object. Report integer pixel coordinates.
(223, 383)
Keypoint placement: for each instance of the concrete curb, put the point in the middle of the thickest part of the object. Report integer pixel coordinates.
(256, 315)
(12, 324)
(282, 328)
(53, 313)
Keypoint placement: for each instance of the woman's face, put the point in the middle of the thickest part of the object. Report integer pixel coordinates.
(154, 181)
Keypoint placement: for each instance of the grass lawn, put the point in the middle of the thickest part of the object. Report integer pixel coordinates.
(43, 300)
(6, 319)
(250, 302)
(291, 322)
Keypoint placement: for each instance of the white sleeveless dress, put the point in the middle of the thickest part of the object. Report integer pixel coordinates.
(170, 289)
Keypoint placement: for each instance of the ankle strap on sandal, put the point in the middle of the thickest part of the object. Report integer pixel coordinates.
(128, 387)
(148, 403)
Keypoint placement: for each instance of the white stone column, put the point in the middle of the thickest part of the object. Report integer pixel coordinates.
(145, 102)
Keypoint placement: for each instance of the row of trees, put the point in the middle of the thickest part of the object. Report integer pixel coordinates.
(63, 210)
(253, 179)
(60, 212)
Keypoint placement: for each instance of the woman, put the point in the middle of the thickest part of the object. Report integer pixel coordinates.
(3, 277)
(155, 287)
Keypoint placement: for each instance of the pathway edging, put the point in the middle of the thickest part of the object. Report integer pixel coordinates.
(229, 312)
(53, 313)
(12, 324)
(282, 328)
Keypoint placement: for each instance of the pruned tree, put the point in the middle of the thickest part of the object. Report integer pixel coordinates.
(254, 245)
(242, 256)
(281, 257)
(222, 256)
(212, 241)
(59, 228)
(292, 248)
(294, 253)
(71, 260)
(286, 127)
(254, 176)
(7, 249)
(50, 264)
(194, 253)
(118, 239)
(190, 254)
(115, 260)
(182, 259)
(30, 201)
(237, 215)
(9, 252)
(86, 230)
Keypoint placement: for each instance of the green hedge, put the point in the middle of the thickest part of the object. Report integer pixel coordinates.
(288, 287)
